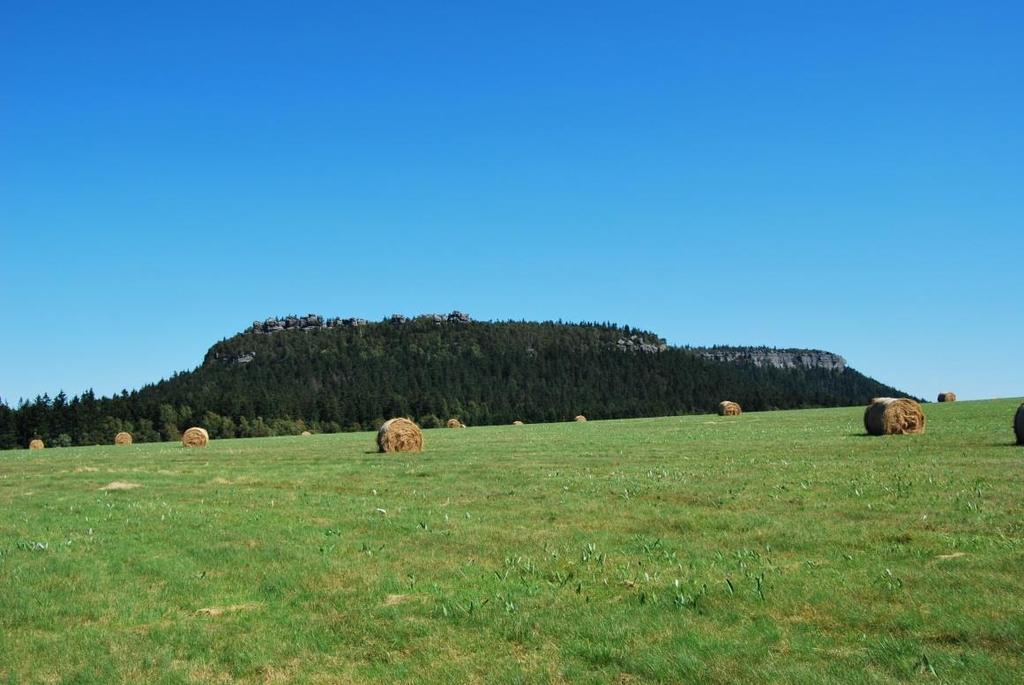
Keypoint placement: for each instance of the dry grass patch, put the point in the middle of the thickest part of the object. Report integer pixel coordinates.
(120, 485)
(230, 609)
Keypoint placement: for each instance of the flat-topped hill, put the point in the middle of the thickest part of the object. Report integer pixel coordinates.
(289, 374)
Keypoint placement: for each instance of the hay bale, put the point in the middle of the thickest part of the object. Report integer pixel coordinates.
(195, 437)
(581, 418)
(517, 423)
(1018, 425)
(892, 416)
(947, 396)
(455, 423)
(727, 408)
(399, 435)
(36, 444)
(306, 433)
(123, 438)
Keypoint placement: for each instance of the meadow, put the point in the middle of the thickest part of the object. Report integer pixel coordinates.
(770, 547)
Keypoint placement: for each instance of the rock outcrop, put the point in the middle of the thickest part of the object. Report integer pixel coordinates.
(770, 356)
(315, 322)
(228, 358)
(310, 322)
(637, 343)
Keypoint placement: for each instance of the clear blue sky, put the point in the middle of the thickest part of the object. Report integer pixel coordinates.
(846, 176)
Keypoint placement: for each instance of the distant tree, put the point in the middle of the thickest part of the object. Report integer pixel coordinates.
(169, 422)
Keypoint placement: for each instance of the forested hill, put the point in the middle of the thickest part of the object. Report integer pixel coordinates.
(283, 376)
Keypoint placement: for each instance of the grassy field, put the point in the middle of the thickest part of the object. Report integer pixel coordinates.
(782, 546)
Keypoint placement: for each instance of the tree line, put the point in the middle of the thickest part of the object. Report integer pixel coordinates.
(352, 378)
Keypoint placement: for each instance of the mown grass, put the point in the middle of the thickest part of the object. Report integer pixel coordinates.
(772, 547)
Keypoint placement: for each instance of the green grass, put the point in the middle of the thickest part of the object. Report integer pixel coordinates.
(771, 547)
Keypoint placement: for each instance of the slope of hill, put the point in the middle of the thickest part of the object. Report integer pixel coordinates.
(282, 376)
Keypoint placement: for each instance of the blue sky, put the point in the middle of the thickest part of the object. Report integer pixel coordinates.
(792, 174)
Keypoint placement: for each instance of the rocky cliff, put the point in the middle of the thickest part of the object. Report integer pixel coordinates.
(770, 356)
(644, 343)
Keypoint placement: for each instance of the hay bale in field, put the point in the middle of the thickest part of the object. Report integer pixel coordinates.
(123, 438)
(947, 396)
(727, 408)
(581, 418)
(517, 423)
(892, 416)
(36, 444)
(399, 435)
(455, 423)
(306, 433)
(1018, 425)
(195, 437)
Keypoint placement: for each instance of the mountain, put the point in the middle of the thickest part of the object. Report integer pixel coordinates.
(285, 375)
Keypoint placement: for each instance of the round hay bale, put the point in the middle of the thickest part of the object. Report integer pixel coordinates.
(195, 437)
(581, 418)
(36, 444)
(1018, 425)
(455, 423)
(947, 396)
(727, 408)
(399, 435)
(517, 423)
(306, 433)
(123, 438)
(891, 416)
